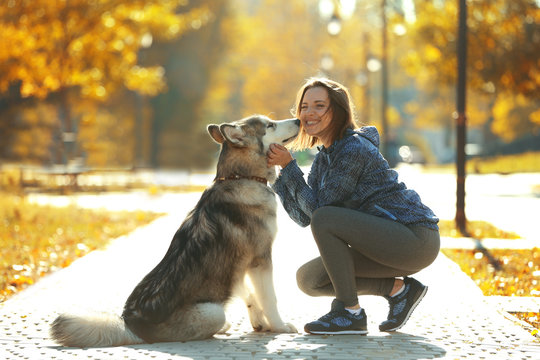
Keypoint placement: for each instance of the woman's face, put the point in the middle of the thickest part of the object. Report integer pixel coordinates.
(315, 113)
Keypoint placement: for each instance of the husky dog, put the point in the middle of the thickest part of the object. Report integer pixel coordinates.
(223, 246)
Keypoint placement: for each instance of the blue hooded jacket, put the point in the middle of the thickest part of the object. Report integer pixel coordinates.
(351, 173)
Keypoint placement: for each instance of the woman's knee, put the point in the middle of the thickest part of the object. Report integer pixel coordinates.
(305, 279)
(301, 280)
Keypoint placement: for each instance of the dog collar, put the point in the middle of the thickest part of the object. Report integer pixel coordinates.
(239, 177)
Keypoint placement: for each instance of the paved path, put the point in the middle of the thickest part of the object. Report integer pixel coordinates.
(452, 322)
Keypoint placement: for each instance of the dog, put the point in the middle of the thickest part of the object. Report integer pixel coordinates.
(222, 249)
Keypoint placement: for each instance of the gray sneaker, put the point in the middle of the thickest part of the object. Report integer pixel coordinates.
(402, 306)
(339, 321)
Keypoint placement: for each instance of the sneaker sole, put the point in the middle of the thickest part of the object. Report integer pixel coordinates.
(410, 311)
(344, 332)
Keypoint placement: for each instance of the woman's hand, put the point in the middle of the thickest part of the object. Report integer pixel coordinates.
(278, 155)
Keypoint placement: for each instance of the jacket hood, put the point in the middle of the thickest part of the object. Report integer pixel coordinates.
(370, 133)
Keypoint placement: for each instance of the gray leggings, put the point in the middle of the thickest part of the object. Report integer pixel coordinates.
(361, 254)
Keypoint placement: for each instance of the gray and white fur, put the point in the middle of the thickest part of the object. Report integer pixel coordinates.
(222, 249)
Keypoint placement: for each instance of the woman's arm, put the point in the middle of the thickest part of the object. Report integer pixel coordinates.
(290, 203)
(295, 194)
(333, 180)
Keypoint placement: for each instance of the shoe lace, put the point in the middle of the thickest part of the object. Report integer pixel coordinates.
(396, 305)
(329, 316)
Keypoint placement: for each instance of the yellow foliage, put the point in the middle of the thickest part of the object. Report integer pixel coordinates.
(92, 45)
(148, 81)
(517, 276)
(394, 117)
(502, 57)
(36, 240)
(513, 115)
(535, 117)
(432, 54)
(507, 164)
(99, 131)
(273, 47)
(480, 230)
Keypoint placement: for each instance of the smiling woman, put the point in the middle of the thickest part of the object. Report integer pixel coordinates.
(322, 102)
(371, 231)
(316, 114)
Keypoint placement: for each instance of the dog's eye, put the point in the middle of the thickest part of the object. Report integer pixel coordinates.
(271, 125)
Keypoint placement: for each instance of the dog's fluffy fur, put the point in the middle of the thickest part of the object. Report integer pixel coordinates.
(224, 241)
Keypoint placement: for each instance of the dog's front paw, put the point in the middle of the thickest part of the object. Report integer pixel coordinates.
(290, 328)
(284, 328)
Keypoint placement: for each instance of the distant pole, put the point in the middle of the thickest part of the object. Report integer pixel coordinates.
(367, 100)
(461, 128)
(138, 145)
(384, 75)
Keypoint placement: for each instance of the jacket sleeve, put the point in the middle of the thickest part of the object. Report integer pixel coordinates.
(335, 184)
(289, 186)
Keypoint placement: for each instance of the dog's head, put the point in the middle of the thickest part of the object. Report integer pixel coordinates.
(256, 131)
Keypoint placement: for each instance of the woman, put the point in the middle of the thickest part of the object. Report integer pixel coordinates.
(371, 231)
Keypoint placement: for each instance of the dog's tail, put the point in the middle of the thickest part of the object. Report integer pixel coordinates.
(94, 330)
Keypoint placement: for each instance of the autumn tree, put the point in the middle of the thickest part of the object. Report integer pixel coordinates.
(179, 136)
(270, 53)
(274, 46)
(80, 49)
(503, 68)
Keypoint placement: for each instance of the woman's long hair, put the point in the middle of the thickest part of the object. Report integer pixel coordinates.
(340, 106)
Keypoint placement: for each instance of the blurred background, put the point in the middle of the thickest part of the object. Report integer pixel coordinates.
(90, 85)
(108, 101)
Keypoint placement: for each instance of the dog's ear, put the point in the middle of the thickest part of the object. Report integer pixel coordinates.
(233, 134)
(214, 132)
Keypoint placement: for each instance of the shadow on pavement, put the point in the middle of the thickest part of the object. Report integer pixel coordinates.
(267, 346)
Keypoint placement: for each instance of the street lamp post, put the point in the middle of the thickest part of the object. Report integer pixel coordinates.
(461, 127)
(365, 79)
(334, 27)
(384, 75)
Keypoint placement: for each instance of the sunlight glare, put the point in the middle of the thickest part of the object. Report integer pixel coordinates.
(409, 11)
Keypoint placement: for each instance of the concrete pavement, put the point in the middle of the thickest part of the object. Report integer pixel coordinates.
(454, 321)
